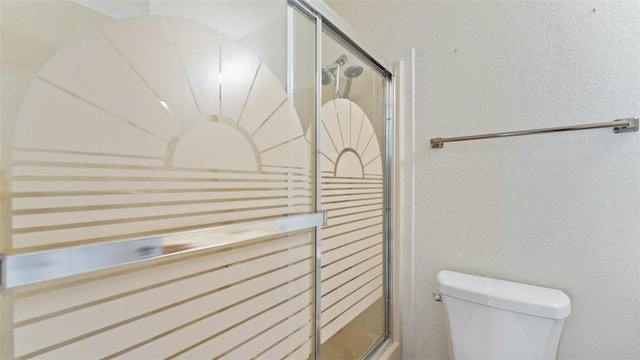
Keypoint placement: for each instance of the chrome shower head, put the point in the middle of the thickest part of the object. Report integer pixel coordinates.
(326, 76)
(353, 71)
(341, 60)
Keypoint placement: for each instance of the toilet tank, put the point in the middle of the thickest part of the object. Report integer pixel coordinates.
(497, 319)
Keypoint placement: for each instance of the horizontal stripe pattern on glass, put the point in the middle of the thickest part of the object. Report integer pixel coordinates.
(63, 262)
(352, 249)
(262, 290)
(66, 203)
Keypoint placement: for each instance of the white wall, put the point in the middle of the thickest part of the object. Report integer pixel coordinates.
(559, 210)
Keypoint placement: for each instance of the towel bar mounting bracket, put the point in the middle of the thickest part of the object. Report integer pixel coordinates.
(633, 126)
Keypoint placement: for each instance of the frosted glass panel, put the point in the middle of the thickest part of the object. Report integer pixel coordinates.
(119, 137)
(134, 120)
(353, 180)
(240, 302)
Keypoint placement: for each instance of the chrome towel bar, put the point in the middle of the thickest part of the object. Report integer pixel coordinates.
(29, 268)
(619, 126)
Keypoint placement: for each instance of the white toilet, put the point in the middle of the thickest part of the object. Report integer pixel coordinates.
(497, 319)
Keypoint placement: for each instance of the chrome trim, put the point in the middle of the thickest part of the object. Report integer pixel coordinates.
(327, 19)
(342, 39)
(25, 269)
(290, 38)
(331, 18)
(619, 126)
(317, 321)
(318, 189)
(390, 201)
(378, 348)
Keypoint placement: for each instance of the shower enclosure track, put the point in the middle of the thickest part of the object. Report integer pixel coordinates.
(35, 267)
(619, 126)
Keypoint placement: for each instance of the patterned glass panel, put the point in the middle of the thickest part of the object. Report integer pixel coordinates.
(140, 120)
(353, 181)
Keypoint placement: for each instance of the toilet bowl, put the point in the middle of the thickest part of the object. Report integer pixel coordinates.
(497, 319)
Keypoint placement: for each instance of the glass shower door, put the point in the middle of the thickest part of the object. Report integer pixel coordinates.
(159, 194)
(157, 183)
(353, 141)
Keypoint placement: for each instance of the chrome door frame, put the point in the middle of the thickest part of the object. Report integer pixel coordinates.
(327, 20)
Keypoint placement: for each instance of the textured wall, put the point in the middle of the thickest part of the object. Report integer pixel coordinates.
(559, 210)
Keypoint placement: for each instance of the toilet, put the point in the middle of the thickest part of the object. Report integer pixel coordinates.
(497, 319)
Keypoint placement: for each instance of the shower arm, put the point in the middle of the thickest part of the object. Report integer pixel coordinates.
(347, 89)
(336, 95)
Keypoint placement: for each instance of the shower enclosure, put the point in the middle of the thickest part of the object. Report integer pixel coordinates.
(352, 144)
(191, 180)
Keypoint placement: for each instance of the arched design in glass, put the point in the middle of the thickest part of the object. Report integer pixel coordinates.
(145, 127)
(121, 137)
(352, 241)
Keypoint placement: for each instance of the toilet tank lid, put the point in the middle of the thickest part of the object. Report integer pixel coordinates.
(522, 298)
